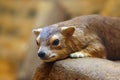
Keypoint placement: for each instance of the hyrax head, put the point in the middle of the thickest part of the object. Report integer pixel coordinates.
(52, 42)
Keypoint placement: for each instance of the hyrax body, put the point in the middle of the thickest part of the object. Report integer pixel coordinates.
(85, 36)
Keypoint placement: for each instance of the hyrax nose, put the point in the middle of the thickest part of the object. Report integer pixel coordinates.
(41, 54)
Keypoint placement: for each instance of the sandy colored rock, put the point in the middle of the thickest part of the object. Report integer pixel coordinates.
(85, 69)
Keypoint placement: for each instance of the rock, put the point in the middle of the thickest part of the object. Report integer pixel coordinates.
(85, 69)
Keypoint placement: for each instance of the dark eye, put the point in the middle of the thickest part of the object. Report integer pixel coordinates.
(55, 42)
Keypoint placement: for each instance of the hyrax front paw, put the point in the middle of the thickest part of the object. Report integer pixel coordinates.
(79, 55)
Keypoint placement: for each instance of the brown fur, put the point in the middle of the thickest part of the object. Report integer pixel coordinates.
(95, 36)
(98, 31)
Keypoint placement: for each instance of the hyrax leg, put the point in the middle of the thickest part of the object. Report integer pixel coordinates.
(80, 54)
(94, 49)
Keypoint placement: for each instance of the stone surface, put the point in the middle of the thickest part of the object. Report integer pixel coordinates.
(85, 69)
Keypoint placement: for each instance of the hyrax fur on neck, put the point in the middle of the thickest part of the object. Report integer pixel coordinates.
(85, 36)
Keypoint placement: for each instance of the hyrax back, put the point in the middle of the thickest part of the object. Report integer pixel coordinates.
(85, 36)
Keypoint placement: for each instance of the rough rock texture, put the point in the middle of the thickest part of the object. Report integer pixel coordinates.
(85, 69)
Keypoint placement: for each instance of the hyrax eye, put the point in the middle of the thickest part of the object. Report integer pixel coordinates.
(55, 42)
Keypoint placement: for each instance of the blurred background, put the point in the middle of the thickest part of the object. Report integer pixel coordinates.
(19, 17)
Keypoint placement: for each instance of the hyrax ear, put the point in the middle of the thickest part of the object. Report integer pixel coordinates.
(68, 31)
(37, 31)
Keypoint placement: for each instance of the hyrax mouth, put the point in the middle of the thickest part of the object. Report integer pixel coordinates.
(52, 56)
(49, 57)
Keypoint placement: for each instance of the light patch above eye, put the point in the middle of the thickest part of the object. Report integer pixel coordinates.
(54, 40)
